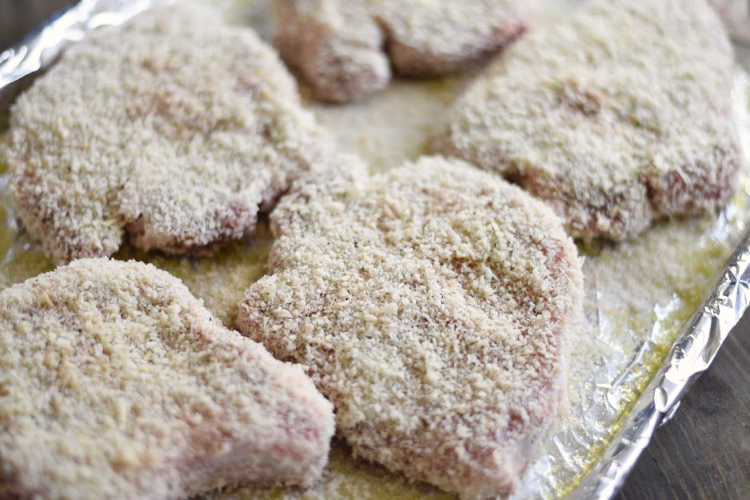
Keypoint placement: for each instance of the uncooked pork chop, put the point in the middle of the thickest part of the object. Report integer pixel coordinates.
(618, 116)
(115, 382)
(736, 17)
(431, 305)
(339, 46)
(174, 128)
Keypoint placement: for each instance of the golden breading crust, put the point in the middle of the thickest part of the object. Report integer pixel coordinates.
(339, 46)
(115, 382)
(617, 116)
(174, 128)
(431, 304)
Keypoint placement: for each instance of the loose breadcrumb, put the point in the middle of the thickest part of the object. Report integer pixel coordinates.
(431, 304)
(115, 382)
(339, 47)
(616, 116)
(175, 128)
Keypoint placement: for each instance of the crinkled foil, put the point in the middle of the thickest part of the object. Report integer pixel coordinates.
(691, 355)
(638, 354)
(41, 48)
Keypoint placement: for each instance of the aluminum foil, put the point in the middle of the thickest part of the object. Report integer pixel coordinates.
(42, 47)
(624, 383)
(691, 355)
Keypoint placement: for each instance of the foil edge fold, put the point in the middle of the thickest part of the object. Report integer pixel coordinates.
(692, 354)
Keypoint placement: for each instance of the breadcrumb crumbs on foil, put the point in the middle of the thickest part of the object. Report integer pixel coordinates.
(639, 294)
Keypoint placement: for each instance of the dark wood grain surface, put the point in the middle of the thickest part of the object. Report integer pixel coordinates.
(704, 451)
(18, 17)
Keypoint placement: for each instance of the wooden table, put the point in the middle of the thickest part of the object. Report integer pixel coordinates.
(704, 451)
(19, 17)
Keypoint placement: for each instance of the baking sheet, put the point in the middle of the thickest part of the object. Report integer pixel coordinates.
(639, 294)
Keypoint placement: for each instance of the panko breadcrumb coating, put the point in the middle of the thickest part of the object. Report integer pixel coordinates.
(344, 48)
(115, 382)
(617, 116)
(174, 128)
(431, 304)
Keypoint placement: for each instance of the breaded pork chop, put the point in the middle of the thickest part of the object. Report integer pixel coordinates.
(115, 382)
(617, 116)
(339, 46)
(736, 17)
(174, 128)
(431, 305)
